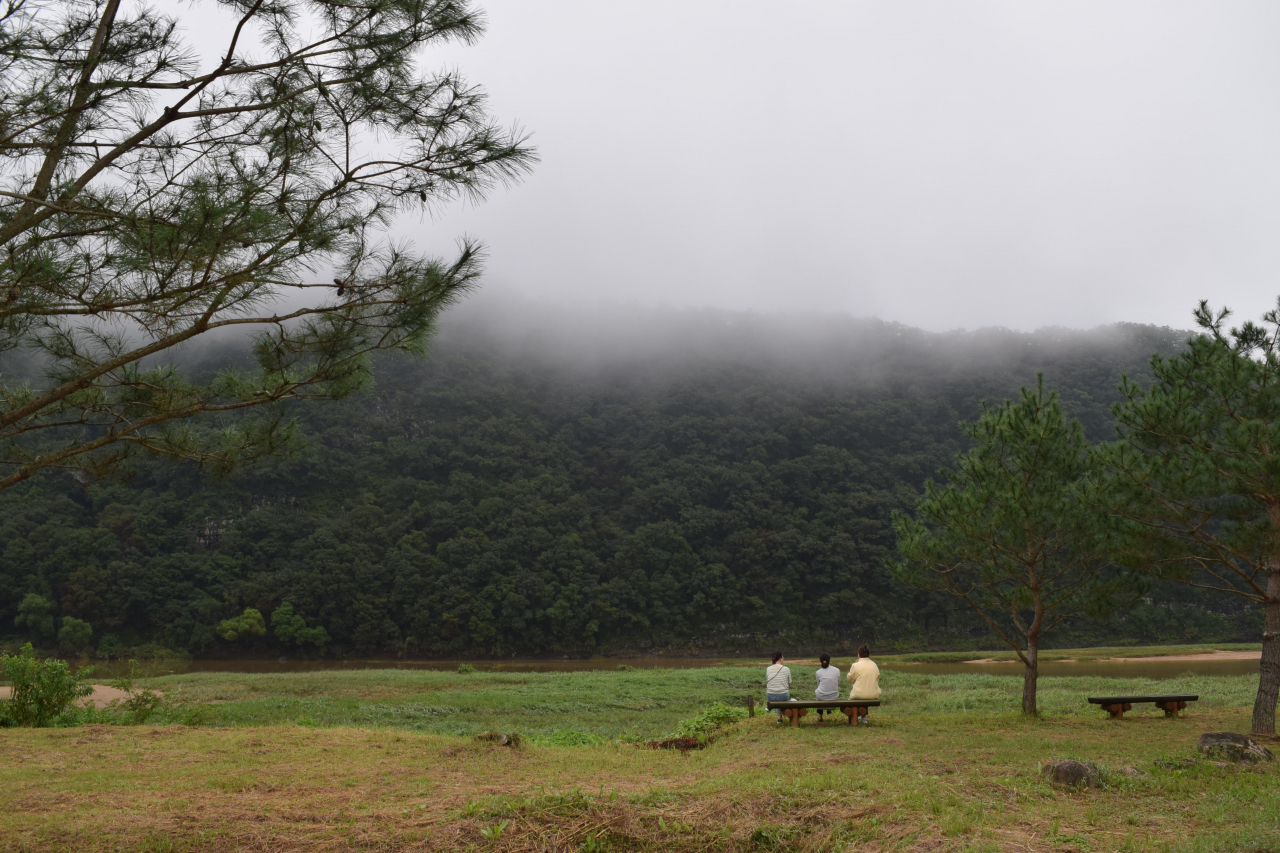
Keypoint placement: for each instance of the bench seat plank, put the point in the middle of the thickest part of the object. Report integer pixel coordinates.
(852, 708)
(1170, 703)
(832, 703)
(1171, 697)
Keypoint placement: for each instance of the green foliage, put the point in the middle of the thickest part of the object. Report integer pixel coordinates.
(1196, 476)
(291, 628)
(490, 502)
(110, 647)
(41, 691)
(1014, 534)
(712, 718)
(465, 668)
(75, 635)
(36, 615)
(1195, 468)
(247, 624)
(140, 702)
(163, 195)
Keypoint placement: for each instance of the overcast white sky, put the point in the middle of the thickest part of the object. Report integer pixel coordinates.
(944, 164)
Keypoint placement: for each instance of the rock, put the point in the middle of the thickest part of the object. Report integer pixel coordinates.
(1131, 771)
(498, 738)
(1072, 774)
(1233, 747)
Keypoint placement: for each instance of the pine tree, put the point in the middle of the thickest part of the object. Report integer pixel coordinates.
(1197, 472)
(146, 201)
(1010, 533)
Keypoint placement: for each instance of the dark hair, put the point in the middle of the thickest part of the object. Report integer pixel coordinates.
(777, 656)
(824, 659)
(864, 652)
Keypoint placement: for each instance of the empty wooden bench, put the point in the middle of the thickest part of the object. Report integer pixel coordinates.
(852, 708)
(1117, 705)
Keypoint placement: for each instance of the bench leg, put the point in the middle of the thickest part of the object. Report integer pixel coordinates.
(851, 713)
(1116, 711)
(862, 712)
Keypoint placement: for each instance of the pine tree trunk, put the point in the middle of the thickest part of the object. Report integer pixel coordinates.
(1030, 675)
(1264, 707)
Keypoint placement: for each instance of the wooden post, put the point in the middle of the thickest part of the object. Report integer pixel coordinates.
(751, 706)
(851, 713)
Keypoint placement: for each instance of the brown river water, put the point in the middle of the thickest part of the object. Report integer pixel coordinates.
(1146, 668)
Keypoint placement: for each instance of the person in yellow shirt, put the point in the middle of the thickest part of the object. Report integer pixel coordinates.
(864, 675)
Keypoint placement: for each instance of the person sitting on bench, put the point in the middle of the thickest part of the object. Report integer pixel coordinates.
(864, 675)
(828, 682)
(777, 682)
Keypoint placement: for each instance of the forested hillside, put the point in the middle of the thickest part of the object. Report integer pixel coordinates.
(623, 481)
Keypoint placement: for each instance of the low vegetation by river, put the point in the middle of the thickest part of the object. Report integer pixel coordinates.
(388, 759)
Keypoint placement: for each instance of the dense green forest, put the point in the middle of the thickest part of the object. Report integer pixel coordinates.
(623, 481)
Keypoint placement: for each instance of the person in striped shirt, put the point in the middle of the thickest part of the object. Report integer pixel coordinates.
(777, 682)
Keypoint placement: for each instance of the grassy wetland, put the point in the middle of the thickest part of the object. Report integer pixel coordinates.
(388, 760)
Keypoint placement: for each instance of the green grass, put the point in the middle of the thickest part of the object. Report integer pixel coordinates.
(383, 760)
(604, 704)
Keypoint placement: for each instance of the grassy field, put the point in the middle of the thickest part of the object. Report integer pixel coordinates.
(386, 760)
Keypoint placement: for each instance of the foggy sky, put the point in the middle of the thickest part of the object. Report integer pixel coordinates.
(946, 165)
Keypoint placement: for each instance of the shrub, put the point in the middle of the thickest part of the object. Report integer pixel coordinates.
(247, 624)
(714, 717)
(75, 636)
(140, 702)
(35, 613)
(110, 646)
(290, 627)
(40, 691)
(465, 668)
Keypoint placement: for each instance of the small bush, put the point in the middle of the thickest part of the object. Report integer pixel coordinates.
(35, 614)
(246, 625)
(75, 635)
(714, 717)
(465, 668)
(110, 647)
(41, 691)
(291, 628)
(140, 703)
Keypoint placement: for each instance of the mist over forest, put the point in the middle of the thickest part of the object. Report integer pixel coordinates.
(607, 480)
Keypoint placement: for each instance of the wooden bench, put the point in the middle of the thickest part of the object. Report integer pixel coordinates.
(852, 708)
(1117, 705)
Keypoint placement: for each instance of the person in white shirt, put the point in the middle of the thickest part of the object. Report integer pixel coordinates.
(828, 682)
(777, 682)
(865, 677)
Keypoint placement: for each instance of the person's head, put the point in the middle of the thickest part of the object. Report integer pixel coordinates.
(777, 656)
(825, 660)
(864, 652)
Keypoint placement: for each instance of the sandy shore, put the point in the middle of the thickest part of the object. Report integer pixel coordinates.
(1216, 654)
(102, 695)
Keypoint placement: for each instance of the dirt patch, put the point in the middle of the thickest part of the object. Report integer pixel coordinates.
(101, 697)
(1213, 655)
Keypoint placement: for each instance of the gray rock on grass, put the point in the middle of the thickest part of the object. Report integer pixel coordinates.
(1072, 774)
(1227, 746)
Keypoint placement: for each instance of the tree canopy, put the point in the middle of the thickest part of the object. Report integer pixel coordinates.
(498, 499)
(1013, 533)
(1198, 472)
(149, 197)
